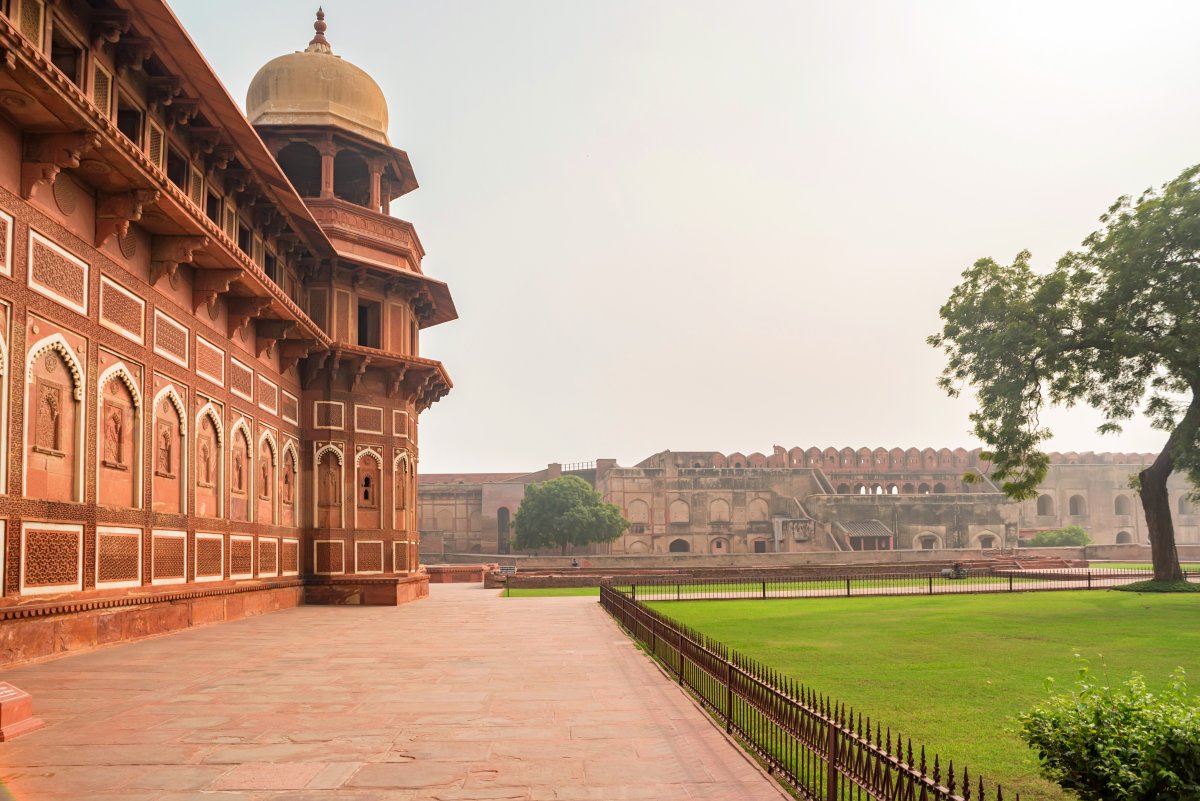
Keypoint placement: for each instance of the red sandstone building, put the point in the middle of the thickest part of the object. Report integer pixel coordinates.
(209, 329)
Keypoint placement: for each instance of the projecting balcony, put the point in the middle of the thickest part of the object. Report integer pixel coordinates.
(361, 233)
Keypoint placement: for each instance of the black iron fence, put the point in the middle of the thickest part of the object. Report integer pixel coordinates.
(817, 747)
(673, 588)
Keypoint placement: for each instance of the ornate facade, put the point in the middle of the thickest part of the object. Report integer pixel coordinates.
(209, 323)
(813, 499)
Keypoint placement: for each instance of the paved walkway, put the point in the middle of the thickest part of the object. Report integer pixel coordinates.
(460, 696)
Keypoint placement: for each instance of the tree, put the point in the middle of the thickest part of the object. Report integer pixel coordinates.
(566, 511)
(1113, 325)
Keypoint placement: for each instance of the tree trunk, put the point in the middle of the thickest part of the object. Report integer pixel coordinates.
(1157, 503)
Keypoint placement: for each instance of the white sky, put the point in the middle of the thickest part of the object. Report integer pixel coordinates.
(697, 225)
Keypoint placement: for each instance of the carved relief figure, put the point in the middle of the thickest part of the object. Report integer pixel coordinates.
(48, 413)
(162, 457)
(114, 435)
(204, 462)
(239, 470)
(286, 481)
(264, 476)
(330, 491)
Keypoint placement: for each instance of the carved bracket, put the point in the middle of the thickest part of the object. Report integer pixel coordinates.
(48, 154)
(313, 366)
(268, 332)
(210, 285)
(291, 351)
(360, 369)
(108, 25)
(162, 90)
(114, 212)
(396, 380)
(168, 252)
(183, 110)
(243, 310)
(221, 156)
(332, 370)
(132, 53)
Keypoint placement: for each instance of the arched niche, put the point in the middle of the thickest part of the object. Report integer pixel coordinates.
(679, 546)
(328, 490)
(757, 511)
(718, 511)
(288, 484)
(368, 473)
(241, 472)
(119, 441)
(168, 458)
(1045, 506)
(210, 462)
(680, 512)
(53, 421)
(266, 479)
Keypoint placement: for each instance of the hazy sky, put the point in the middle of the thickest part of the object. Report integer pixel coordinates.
(704, 225)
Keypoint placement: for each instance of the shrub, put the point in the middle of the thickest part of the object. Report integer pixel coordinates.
(1119, 744)
(1069, 535)
(1159, 586)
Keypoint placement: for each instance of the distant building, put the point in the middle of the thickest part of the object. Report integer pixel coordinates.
(810, 500)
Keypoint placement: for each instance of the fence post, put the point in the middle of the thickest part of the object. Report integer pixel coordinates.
(847, 587)
(633, 592)
(1010, 582)
(728, 696)
(764, 589)
(931, 584)
(654, 636)
(678, 592)
(1089, 579)
(831, 773)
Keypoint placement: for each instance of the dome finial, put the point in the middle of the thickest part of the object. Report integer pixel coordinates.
(319, 43)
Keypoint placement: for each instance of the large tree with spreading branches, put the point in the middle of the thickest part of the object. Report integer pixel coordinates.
(563, 512)
(1115, 325)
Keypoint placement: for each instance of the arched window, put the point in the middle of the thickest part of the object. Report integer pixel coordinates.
(1122, 505)
(1045, 506)
(923, 489)
(301, 163)
(927, 542)
(680, 511)
(760, 546)
(893, 489)
(939, 488)
(502, 520)
(907, 489)
(351, 178)
(1123, 538)
(987, 541)
(843, 489)
(679, 546)
(1077, 506)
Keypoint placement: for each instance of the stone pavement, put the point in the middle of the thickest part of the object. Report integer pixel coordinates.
(461, 696)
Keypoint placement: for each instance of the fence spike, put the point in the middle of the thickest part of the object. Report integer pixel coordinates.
(953, 783)
(999, 793)
(937, 770)
(923, 760)
(910, 753)
(888, 747)
(966, 785)
(981, 795)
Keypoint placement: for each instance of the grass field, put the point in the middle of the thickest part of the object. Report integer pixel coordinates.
(550, 592)
(1189, 566)
(953, 672)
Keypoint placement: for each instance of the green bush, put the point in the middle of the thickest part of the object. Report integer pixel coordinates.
(1068, 535)
(1119, 744)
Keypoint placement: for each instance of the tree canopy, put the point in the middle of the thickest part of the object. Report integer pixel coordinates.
(563, 512)
(1114, 325)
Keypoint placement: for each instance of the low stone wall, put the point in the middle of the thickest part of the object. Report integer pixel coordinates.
(458, 574)
(36, 632)
(365, 591)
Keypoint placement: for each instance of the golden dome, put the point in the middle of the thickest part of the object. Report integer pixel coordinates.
(315, 87)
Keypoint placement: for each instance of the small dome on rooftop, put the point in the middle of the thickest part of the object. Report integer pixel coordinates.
(316, 87)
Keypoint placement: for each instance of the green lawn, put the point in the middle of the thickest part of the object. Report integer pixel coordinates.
(1188, 566)
(953, 672)
(550, 592)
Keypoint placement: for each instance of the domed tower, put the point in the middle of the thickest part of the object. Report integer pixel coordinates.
(325, 120)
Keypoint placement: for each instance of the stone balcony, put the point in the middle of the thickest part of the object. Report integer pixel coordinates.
(364, 234)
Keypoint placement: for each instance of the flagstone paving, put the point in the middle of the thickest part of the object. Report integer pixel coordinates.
(460, 696)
